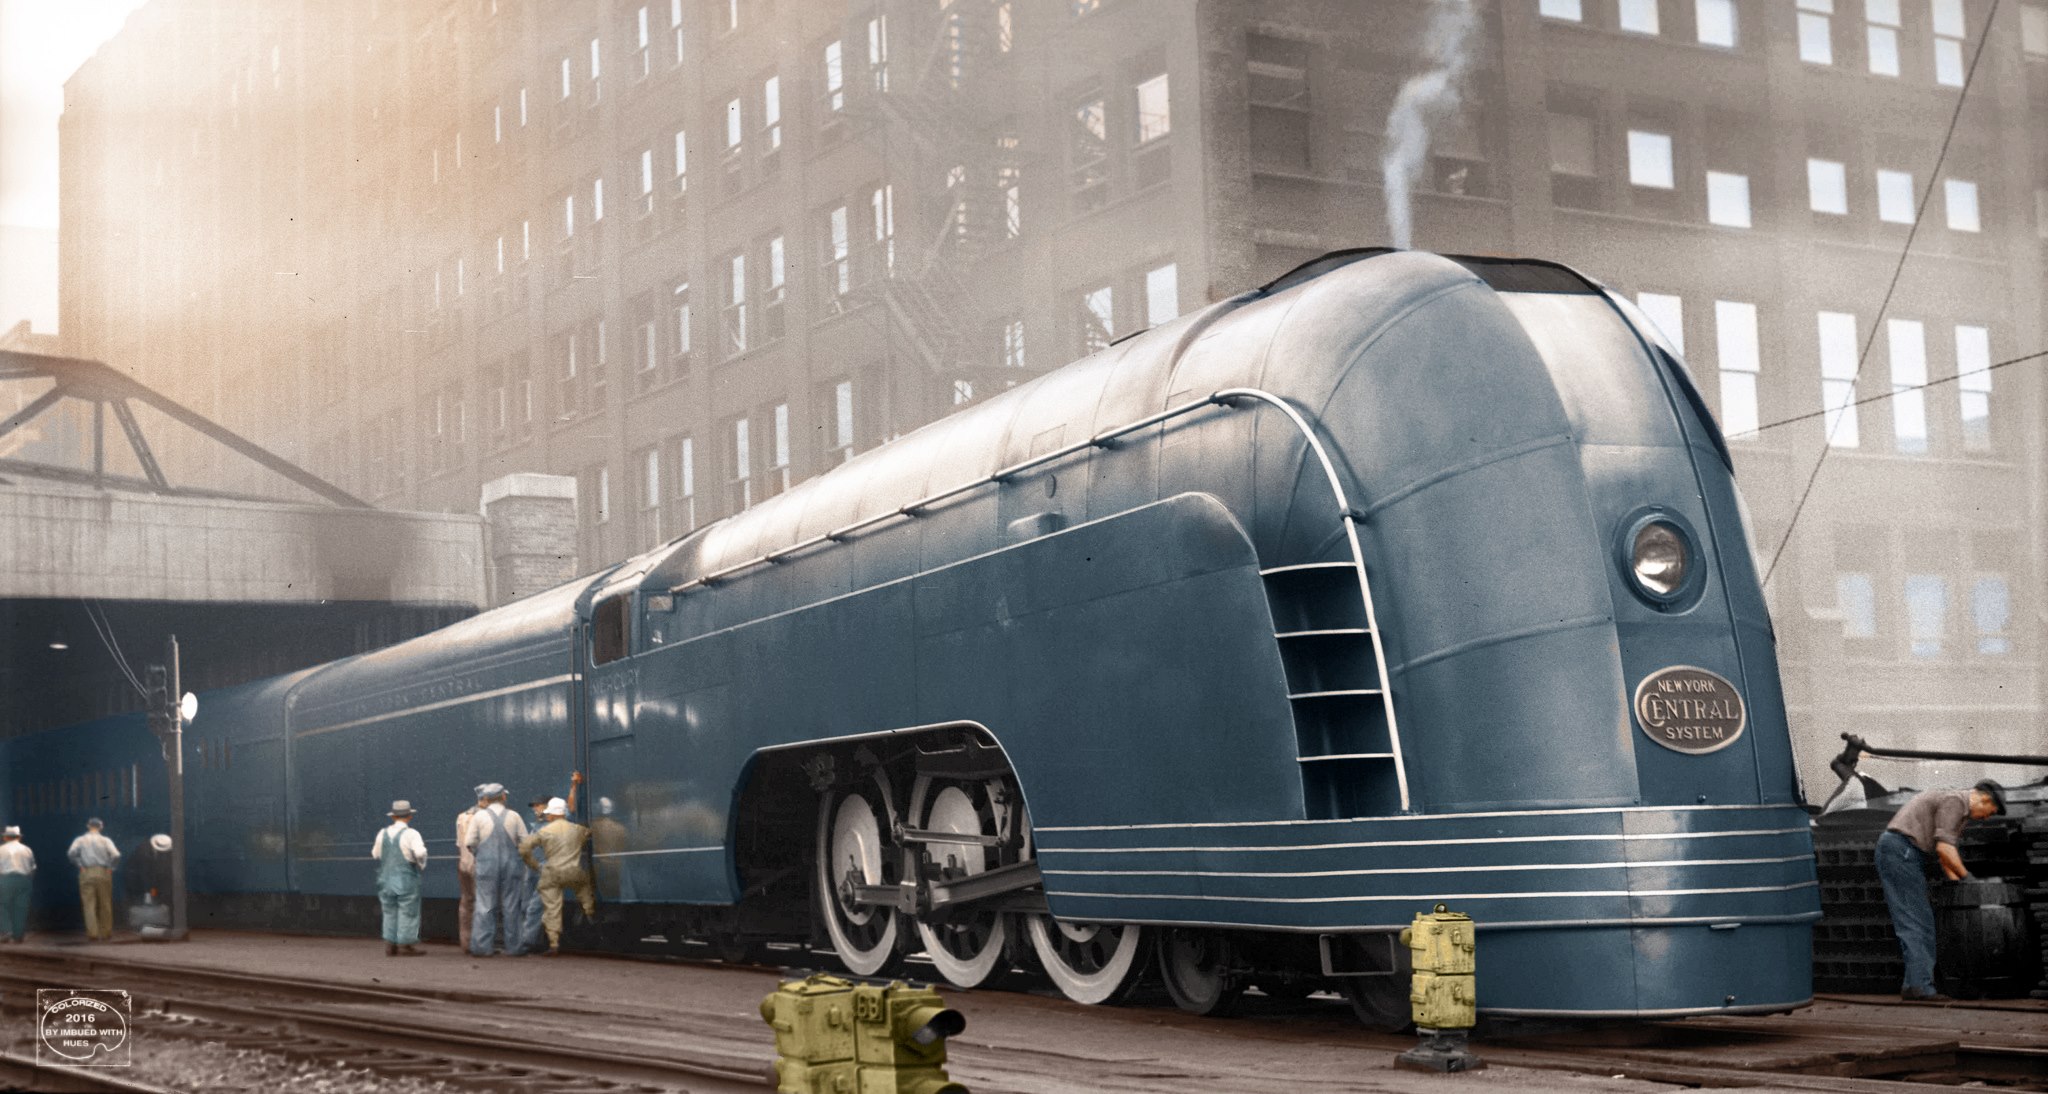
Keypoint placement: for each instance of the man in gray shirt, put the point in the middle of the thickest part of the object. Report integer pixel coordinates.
(1928, 825)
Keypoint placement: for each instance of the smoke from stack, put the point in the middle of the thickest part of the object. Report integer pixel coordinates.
(1425, 100)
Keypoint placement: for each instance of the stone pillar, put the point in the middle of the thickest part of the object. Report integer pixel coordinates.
(529, 533)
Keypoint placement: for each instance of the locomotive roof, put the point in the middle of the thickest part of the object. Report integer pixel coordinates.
(1133, 376)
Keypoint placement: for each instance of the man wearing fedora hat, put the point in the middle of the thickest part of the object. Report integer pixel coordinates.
(17, 870)
(1928, 827)
(401, 856)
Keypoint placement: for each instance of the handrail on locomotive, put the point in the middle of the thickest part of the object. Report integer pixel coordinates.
(1226, 398)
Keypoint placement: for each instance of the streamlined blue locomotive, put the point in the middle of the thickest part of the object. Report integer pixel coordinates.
(1405, 579)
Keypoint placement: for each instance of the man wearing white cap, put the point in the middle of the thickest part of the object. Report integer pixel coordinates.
(95, 856)
(563, 841)
(401, 857)
(17, 870)
(493, 837)
(465, 866)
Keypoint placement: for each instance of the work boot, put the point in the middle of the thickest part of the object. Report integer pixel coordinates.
(391, 949)
(411, 951)
(553, 951)
(1924, 995)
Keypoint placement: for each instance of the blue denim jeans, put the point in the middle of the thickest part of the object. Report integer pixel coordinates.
(1903, 869)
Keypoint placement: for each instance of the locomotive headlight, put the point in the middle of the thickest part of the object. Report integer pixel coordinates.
(1659, 559)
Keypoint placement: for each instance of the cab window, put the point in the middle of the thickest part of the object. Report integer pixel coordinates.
(610, 630)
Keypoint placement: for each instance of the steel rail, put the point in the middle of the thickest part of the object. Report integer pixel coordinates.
(65, 1079)
(167, 987)
(1226, 398)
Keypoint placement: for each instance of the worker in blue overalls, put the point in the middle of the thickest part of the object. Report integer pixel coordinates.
(401, 856)
(494, 835)
(533, 939)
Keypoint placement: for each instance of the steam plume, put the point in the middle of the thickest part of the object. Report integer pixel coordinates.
(1427, 98)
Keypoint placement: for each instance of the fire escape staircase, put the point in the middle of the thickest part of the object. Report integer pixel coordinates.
(929, 299)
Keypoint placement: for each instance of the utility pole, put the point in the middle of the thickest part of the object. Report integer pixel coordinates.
(167, 720)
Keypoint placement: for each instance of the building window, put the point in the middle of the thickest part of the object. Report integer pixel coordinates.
(725, 15)
(1097, 318)
(771, 118)
(1162, 294)
(1560, 9)
(878, 53)
(1856, 598)
(838, 410)
(1727, 199)
(1838, 378)
(882, 214)
(593, 92)
(683, 488)
(1154, 113)
(1013, 343)
(1276, 84)
(1668, 312)
(647, 355)
(1649, 159)
(1735, 338)
(642, 43)
(838, 259)
(1908, 340)
(1962, 204)
(1009, 182)
(739, 485)
(835, 80)
(1638, 16)
(1991, 611)
(1882, 35)
(734, 134)
(1574, 164)
(604, 494)
(963, 392)
(2034, 31)
(644, 223)
(1817, 32)
(774, 291)
(1895, 197)
(648, 514)
(1716, 22)
(1973, 384)
(679, 187)
(778, 450)
(1088, 154)
(1949, 31)
(1827, 187)
(733, 316)
(679, 327)
(2041, 211)
(1149, 162)
(675, 31)
(1926, 613)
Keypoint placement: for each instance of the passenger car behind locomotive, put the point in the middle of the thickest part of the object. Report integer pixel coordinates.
(1404, 579)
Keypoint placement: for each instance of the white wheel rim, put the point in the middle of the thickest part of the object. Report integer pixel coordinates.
(952, 810)
(849, 835)
(1090, 986)
(856, 843)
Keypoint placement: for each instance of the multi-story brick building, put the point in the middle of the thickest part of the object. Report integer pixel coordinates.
(692, 250)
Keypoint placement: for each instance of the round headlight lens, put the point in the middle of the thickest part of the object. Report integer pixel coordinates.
(1658, 558)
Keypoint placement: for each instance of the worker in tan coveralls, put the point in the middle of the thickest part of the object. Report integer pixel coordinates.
(465, 866)
(563, 842)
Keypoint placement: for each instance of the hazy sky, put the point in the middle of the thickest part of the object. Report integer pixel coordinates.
(41, 43)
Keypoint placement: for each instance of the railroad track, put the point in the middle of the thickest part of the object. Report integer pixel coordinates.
(25, 1072)
(402, 1037)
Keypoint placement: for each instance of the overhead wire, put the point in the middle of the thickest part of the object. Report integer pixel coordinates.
(1900, 390)
(105, 629)
(1919, 218)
